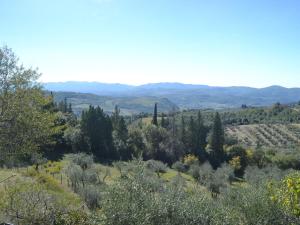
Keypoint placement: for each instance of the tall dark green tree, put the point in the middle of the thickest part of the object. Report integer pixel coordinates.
(191, 140)
(182, 134)
(65, 110)
(120, 135)
(216, 142)
(201, 136)
(97, 128)
(173, 126)
(70, 110)
(154, 120)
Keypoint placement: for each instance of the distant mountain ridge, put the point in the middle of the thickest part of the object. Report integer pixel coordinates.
(187, 96)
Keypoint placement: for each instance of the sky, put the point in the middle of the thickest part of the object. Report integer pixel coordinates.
(215, 42)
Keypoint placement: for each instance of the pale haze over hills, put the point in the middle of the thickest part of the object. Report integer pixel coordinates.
(174, 95)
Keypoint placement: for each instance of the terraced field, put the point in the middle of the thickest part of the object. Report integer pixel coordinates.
(270, 135)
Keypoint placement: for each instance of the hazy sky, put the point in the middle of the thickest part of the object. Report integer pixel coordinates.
(214, 42)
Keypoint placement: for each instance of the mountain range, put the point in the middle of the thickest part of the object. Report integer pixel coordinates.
(172, 95)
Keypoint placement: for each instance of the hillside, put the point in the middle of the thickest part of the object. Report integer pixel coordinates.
(187, 96)
(275, 114)
(267, 135)
(128, 105)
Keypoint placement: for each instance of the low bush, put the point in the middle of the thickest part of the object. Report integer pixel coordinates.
(156, 166)
(287, 193)
(179, 166)
(26, 203)
(190, 160)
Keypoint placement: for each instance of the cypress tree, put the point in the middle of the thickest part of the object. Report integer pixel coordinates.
(154, 120)
(183, 131)
(70, 110)
(173, 126)
(217, 156)
(201, 135)
(201, 132)
(97, 129)
(120, 135)
(115, 117)
(65, 109)
(191, 136)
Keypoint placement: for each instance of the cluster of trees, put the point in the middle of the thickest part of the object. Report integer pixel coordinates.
(110, 138)
(277, 113)
(33, 126)
(28, 122)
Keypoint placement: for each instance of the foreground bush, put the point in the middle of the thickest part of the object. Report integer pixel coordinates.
(146, 200)
(287, 193)
(254, 205)
(25, 203)
(85, 179)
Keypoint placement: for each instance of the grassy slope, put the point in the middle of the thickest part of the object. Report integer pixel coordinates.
(58, 182)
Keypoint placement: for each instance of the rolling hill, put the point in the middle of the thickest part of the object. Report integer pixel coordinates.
(185, 96)
(128, 105)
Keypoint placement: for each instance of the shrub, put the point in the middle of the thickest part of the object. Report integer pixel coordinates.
(156, 166)
(83, 160)
(44, 179)
(287, 161)
(31, 204)
(121, 167)
(147, 200)
(237, 157)
(74, 217)
(202, 173)
(221, 178)
(287, 193)
(91, 195)
(255, 176)
(254, 205)
(190, 160)
(179, 166)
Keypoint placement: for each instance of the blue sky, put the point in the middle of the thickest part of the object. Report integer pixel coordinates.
(215, 42)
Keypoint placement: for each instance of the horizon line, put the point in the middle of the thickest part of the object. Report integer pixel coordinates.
(168, 82)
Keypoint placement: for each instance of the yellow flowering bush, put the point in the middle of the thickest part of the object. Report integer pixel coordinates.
(249, 154)
(235, 162)
(190, 160)
(287, 193)
(52, 167)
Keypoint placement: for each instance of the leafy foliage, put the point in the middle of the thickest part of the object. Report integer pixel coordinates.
(26, 126)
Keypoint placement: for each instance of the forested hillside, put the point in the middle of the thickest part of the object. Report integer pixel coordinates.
(128, 105)
(177, 168)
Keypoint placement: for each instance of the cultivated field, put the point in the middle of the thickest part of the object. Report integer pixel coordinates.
(270, 135)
